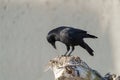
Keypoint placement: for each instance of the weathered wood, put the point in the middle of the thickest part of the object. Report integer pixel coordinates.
(73, 68)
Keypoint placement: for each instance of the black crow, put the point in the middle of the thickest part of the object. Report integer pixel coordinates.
(70, 37)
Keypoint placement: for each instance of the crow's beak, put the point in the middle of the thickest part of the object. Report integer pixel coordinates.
(53, 44)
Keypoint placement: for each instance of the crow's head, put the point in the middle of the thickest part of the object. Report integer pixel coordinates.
(51, 39)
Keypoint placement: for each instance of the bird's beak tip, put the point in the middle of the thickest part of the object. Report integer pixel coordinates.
(54, 46)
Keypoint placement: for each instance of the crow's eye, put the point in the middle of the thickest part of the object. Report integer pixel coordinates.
(51, 39)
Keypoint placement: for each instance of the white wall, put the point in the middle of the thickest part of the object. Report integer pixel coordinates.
(24, 24)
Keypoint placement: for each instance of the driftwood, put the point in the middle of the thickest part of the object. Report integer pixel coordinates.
(73, 68)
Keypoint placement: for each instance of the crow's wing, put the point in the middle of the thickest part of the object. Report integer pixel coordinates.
(69, 35)
(75, 32)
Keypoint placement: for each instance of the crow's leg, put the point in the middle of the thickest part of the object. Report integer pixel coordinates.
(68, 48)
(71, 50)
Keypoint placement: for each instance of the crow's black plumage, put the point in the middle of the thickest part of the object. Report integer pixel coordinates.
(70, 37)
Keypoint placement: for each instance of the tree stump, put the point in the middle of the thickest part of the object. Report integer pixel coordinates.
(73, 68)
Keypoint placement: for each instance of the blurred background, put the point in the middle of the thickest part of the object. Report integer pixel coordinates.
(24, 24)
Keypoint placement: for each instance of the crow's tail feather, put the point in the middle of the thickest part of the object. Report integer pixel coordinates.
(90, 36)
(85, 46)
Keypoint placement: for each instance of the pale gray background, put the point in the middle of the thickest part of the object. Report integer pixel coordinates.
(24, 24)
